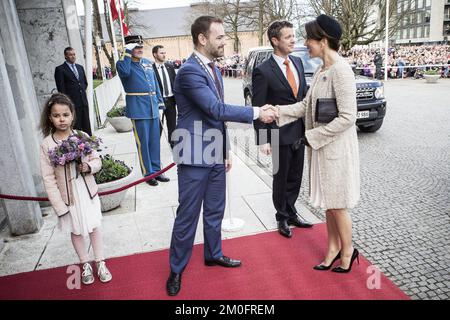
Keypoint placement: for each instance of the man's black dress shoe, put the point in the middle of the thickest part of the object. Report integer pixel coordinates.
(224, 262)
(299, 223)
(173, 284)
(283, 229)
(162, 178)
(152, 182)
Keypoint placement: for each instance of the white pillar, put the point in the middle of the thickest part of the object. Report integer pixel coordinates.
(23, 217)
(88, 53)
(73, 28)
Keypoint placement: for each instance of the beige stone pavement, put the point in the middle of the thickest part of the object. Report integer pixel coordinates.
(144, 221)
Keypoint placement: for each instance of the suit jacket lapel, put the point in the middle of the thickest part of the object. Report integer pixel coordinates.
(66, 66)
(300, 76)
(171, 74)
(209, 76)
(80, 73)
(277, 71)
(219, 76)
(157, 76)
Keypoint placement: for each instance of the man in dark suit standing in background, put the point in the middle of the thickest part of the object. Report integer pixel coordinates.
(280, 80)
(71, 80)
(165, 74)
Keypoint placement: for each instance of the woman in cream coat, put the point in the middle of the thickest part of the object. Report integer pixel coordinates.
(333, 147)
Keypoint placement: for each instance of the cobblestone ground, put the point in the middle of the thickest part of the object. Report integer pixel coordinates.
(402, 223)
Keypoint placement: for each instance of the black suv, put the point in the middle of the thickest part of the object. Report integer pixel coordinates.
(369, 93)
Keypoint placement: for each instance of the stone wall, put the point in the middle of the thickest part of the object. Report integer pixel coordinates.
(45, 35)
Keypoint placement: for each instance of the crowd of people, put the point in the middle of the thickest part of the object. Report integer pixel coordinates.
(231, 66)
(404, 61)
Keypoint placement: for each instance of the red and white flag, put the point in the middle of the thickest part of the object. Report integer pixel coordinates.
(112, 5)
(115, 15)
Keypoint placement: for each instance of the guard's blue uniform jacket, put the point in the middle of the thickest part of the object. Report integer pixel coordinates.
(138, 79)
(142, 99)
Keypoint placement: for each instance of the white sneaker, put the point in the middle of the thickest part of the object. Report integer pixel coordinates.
(103, 273)
(87, 277)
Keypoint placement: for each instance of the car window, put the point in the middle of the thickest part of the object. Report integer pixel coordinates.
(261, 57)
(251, 60)
(310, 64)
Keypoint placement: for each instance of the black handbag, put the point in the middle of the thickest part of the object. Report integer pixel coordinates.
(326, 110)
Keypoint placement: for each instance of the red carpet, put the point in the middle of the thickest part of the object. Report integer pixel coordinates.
(273, 268)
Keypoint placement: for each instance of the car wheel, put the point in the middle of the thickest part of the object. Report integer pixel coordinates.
(248, 99)
(371, 128)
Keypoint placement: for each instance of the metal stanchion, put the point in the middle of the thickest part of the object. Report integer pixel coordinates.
(231, 224)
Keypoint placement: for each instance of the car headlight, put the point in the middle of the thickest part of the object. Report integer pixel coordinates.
(379, 92)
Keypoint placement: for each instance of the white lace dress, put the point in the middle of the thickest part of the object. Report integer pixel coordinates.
(85, 214)
(316, 192)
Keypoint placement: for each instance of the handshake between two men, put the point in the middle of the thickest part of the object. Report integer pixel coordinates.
(268, 113)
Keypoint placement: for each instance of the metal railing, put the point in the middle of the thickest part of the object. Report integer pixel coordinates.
(395, 67)
(232, 72)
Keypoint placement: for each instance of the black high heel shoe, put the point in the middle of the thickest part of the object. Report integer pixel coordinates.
(322, 267)
(355, 256)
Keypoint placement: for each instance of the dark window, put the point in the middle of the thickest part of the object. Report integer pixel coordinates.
(309, 64)
(251, 61)
(261, 57)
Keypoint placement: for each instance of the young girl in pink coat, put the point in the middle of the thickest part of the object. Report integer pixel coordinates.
(73, 195)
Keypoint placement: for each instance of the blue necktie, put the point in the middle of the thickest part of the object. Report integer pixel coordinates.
(75, 71)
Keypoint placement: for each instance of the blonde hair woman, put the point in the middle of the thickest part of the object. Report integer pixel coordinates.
(333, 147)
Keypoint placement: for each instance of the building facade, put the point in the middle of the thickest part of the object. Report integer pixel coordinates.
(170, 27)
(423, 22)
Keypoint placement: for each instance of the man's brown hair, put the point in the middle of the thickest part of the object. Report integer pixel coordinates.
(201, 25)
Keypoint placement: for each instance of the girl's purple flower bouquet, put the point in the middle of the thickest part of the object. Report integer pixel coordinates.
(74, 148)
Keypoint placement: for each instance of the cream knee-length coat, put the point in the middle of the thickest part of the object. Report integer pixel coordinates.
(336, 142)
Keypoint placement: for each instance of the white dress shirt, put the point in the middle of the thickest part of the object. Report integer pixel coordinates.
(280, 62)
(205, 61)
(169, 85)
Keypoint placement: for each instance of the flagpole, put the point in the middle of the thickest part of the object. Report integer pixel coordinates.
(386, 55)
(88, 61)
(120, 21)
(113, 40)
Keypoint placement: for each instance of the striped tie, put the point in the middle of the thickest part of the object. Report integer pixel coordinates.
(75, 71)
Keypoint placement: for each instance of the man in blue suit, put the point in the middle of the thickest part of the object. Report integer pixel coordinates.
(143, 98)
(201, 149)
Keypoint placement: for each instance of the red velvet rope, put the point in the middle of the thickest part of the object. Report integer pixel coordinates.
(152, 176)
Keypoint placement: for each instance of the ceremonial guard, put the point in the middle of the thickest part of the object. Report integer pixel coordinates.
(143, 98)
